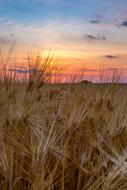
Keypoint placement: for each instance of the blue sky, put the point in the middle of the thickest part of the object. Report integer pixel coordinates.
(29, 10)
(42, 12)
(84, 30)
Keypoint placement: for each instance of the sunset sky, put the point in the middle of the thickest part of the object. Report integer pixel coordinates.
(85, 33)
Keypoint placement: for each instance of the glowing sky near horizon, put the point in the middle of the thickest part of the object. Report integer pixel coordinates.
(85, 33)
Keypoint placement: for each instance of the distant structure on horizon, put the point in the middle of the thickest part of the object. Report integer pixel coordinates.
(85, 82)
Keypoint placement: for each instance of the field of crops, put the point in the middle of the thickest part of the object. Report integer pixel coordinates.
(63, 137)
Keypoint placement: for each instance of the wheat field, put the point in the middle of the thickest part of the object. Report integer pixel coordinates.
(63, 137)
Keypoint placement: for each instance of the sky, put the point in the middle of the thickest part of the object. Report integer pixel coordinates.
(86, 34)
